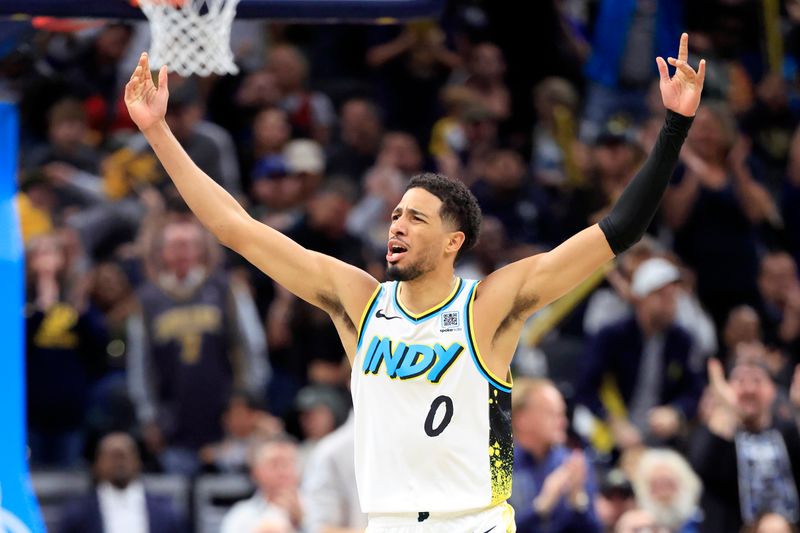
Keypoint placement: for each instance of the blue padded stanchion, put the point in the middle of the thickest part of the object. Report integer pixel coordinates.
(18, 510)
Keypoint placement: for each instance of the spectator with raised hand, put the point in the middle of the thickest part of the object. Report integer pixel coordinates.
(748, 462)
(668, 489)
(65, 356)
(554, 488)
(714, 205)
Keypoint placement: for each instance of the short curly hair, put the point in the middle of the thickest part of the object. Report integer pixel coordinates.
(459, 205)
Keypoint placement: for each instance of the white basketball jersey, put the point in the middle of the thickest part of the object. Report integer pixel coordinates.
(433, 425)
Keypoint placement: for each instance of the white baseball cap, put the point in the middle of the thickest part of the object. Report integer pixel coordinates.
(652, 275)
(304, 155)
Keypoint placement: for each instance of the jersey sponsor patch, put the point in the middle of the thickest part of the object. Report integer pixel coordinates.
(450, 321)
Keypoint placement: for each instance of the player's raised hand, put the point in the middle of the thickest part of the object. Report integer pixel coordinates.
(681, 92)
(147, 104)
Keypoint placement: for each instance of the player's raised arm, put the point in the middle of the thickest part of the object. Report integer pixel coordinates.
(337, 287)
(524, 286)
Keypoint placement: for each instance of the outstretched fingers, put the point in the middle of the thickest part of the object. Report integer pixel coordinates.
(701, 72)
(683, 49)
(663, 71)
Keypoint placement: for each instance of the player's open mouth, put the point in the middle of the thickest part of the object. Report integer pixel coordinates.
(395, 251)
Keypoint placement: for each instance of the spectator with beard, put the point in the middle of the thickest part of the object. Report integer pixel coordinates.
(669, 490)
(119, 503)
(748, 461)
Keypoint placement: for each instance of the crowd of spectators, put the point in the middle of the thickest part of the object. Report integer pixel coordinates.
(667, 400)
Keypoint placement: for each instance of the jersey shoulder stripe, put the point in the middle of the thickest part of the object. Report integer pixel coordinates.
(365, 316)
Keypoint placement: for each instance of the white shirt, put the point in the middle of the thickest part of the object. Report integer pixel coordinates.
(125, 510)
(329, 488)
(246, 515)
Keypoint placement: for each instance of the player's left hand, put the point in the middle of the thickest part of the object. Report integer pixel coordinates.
(681, 92)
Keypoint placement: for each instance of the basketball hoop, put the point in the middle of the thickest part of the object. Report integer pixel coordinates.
(191, 36)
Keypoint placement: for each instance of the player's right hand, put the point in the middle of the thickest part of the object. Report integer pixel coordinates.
(147, 104)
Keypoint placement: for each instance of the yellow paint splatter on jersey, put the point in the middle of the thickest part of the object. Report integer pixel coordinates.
(501, 444)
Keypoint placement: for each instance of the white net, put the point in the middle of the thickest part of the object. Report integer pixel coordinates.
(191, 36)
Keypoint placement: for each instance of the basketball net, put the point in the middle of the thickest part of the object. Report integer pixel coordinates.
(191, 36)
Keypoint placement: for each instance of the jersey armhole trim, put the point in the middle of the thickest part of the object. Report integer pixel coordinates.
(500, 384)
(365, 316)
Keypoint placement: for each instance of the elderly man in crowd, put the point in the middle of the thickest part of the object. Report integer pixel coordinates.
(554, 489)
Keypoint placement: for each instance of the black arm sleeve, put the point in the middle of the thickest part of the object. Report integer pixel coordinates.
(635, 209)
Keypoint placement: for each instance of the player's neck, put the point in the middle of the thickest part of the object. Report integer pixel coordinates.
(428, 290)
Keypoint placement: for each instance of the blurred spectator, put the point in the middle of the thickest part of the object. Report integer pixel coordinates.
(713, 205)
(356, 147)
(748, 462)
(412, 67)
(554, 489)
(329, 485)
(611, 304)
(65, 355)
(637, 520)
(321, 409)
(119, 503)
(615, 498)
(656, 388)
(67, 132)
(94, 76)
(245, 422)
(771, 523)
(276, 503)
(770, 123)
(779, 288)
(627, 37)
(505, 192)
(447, 134)
(270, 133)
(398, 160)
(198, 338)
(111, 294)
(669, 490)
(555, 102)
(310, 113)
(486, 68)
(742, 326)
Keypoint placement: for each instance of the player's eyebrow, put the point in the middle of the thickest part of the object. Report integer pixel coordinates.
(417, 212)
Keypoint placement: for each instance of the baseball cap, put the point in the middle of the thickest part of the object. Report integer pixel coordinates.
(653, 274)
(269, 167)
(614, 482)
(304, 156)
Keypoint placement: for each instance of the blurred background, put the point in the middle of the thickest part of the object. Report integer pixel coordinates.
(172, 387)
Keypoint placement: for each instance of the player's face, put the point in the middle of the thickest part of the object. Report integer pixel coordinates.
(417, 236)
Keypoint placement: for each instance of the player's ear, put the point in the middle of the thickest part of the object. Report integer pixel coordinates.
(455, 241)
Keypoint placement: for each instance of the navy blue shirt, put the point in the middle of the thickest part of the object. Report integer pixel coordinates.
(529, 477)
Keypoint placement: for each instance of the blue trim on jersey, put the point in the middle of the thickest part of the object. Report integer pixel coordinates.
(367, 317)
(472, 351)
(431, 314)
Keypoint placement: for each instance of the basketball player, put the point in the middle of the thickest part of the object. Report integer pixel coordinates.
(430, 352)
